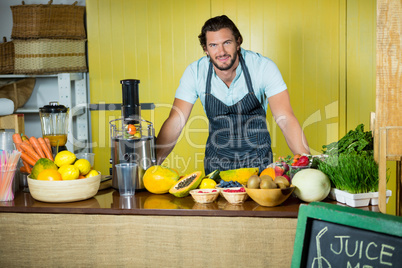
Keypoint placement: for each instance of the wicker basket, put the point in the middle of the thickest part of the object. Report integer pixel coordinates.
(39, 56)
(48, 21)
(6, 57)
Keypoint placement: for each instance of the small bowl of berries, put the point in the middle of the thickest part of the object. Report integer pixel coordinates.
(227, 185)
(301, 163)
(205, 196)
(235, 195)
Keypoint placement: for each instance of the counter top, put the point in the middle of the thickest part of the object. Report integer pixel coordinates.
(109, 202)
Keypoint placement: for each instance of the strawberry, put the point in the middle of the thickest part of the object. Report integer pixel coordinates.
(302, 162)
(279, 171)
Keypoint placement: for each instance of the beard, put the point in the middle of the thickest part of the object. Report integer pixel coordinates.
(225, 68)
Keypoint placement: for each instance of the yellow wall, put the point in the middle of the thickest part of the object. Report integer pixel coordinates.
(325, 50)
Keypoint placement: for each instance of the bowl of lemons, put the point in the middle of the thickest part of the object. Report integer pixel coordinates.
(66, 179)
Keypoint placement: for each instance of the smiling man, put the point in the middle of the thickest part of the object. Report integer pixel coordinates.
(235, 87)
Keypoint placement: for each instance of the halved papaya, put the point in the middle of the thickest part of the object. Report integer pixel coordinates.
(183, 186)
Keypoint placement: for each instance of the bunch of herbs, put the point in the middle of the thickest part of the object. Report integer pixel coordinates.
(357, 140)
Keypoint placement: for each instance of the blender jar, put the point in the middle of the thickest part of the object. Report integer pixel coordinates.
(54, 122)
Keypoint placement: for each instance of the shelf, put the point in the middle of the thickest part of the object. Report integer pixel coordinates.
(73, 76)
(27, 110)
(70, 90)
(27, 75)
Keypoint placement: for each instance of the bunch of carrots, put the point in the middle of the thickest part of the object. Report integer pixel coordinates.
(32, 150)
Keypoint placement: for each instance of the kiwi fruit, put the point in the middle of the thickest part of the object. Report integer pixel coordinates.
(253, 182)
(268, 184)
(266, 177)
(283, 180)
(281, 185)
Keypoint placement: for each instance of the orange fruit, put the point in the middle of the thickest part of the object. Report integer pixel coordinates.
(268, 171)
(49, 175)
(81, 177)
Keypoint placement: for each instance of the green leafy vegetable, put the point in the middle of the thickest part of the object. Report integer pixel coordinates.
(357, 140)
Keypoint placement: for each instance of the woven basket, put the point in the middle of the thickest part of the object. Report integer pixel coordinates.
(40, 56)
(48, 21)
(6, 57)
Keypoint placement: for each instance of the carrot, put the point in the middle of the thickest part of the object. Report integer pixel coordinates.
(24, 137)
(35, 144)
(27, 167)
(17, 141)
(28, 159)
(23, 169)
(48, 143)
(45, 148)
(17, 138)
(30, 151)
(26, 141)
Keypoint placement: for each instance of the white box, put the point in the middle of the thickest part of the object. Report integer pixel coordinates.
(356, 200)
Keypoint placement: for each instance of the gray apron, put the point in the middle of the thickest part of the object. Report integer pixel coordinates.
(238, 134)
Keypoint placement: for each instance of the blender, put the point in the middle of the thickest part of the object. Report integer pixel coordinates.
(54, 122)
(132, 138)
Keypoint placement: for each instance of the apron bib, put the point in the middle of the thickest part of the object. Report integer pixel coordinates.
(238, 134)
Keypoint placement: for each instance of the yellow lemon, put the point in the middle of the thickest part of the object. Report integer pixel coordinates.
(207, 184)
(83, 165)
(64, 158)
(69, 172)
(92, 173)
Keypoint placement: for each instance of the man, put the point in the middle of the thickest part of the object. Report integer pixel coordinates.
(235, 87)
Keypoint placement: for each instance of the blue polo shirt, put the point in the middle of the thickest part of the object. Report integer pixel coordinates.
(265, 77)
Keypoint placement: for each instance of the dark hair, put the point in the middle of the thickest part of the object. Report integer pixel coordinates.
(215, 24)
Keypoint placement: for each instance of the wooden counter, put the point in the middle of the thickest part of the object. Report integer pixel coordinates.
(109, 202)
(146, 231)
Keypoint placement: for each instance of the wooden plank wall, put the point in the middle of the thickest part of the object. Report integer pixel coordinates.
(389, 96)
(389, 73)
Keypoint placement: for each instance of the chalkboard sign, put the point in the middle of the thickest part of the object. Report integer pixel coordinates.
(332, 236)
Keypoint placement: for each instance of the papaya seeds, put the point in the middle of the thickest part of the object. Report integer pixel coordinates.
(183, 186)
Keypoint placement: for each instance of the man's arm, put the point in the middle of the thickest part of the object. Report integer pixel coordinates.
(287, 122)
(172, 128)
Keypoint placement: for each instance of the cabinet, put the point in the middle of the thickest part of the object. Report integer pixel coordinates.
(70, 90)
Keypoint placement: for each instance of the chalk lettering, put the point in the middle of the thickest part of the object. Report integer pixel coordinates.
(347, 247)
(340, 244)
(367, 251)
(383, 252)
(349, 265)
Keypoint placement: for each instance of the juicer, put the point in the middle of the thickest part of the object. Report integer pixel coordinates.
(132, 138)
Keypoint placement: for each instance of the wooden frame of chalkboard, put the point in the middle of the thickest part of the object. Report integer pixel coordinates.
(330, 235)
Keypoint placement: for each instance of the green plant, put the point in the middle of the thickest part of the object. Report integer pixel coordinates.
(357, 140)
(351, 172)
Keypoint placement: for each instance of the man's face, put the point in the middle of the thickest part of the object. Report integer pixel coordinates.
(222, 48)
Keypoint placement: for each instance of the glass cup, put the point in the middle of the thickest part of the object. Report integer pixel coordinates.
(88, 156)
(127, 202)
(126, 177)
(6, 185)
